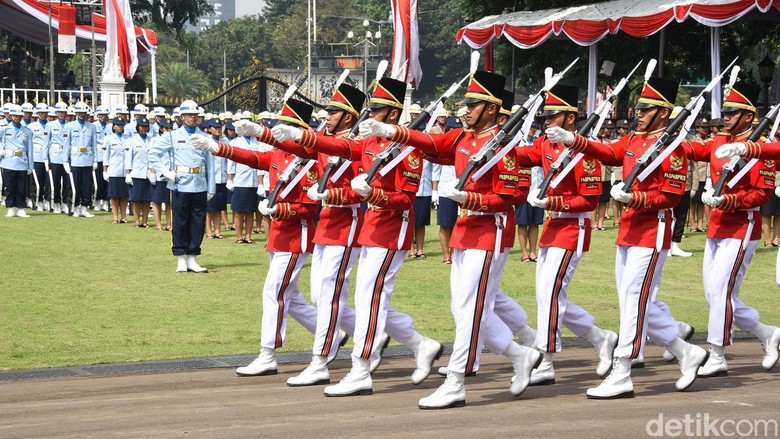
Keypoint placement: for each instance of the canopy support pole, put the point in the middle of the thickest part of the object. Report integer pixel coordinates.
(717, 92)
(593, 59)
(661, 55)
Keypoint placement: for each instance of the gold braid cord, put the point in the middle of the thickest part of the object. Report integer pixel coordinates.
(266, 136)
(308, 139)
(283, 211)
(375, 197)
(225, 150)
(336, 196)
(579, 143)
(555, 203)
(401, 135)
(730, 202)
(474, 202)
(638, 200)
(753, 150)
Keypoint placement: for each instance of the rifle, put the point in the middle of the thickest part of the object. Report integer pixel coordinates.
(738, 163)
(394, 149)
(339, 81)
(488, 154)
(561, 165)
(292, 174)
(666, 143)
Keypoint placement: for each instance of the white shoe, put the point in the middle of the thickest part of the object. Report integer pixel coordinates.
(22, 214)
(46, 206)
(691, 359)
(716, 365)
(65, 209)
(316, 373)
(685, 333)
(452, 393)
(428, 352)
(344, 338)
(617, 384)
(383, 341)
(181, 264)
(57, 208)
(604, 351)
(444, 371)
(638, 363)
(76, 211)
(356, 382)
(524, 361)
(11, 212)
(264, 364)
(771, 345)
(29, 202)
(39, 208)
(526, 336)
(85, 213)
(193, 266)
(675, 250)
(544, 374)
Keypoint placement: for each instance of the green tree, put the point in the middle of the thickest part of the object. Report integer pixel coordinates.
(176, 80)
(170, 14)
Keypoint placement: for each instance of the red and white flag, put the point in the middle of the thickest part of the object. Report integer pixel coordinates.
(120, 37)
(66, 34)
(406, 41)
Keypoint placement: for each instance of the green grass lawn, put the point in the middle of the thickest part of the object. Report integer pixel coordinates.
(81, 291)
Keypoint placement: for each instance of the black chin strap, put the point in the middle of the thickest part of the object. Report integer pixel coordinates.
(479, 119)
(650, 124)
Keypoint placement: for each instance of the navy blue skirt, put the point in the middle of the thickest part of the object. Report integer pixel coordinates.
(117, 188)
(446, 213)
(219, 201)
(161, 194)
(422, 211)
(244, 199)
(525, 215)
(141, 190)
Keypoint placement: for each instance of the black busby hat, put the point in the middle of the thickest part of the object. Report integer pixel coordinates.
(388, 92)
(347, 98)
(485, 86)
(741, 96)
(507, 101)
(561, 98)
(295, 112)
(658, 92)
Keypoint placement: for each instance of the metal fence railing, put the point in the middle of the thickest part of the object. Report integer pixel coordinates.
(37, 95)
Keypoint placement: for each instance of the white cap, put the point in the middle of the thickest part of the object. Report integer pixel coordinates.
(176, 112)
(71, 111)
(201, 112)
(121, 109)
(246, 115)
(60, 106)
(415, 109)
(140, 109)
(27, 107)
(442, 112)
(41, 108)
(7, 107)
(101, 110)
(52, 112)
(15, 110)
(322, 114)
(80, 107)
(188, 107)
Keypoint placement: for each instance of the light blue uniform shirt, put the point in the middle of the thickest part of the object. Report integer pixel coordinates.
(185, 160)
(81, 143)
(425, 180)
(57, 152)
(443, 173)
(137, 158)
(243, 175)
(4, 122)
(18, 140)
(40, 141)
(114, 156)
(27, 122)
(220, 164)
(101, 131)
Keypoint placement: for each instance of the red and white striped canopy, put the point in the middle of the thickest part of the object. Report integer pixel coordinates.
(588, 24)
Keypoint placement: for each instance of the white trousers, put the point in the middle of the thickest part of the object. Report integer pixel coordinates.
(281, 295)
(725, 262)
(638, 276)
(376, 275)
(331, 266)
(507, 317)
(474, 282)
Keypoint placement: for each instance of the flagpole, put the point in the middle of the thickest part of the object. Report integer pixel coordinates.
(51, 60)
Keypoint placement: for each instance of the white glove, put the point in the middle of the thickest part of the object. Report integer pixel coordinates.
(5, 153)
(313, 193)
(360, 185)
(152, 178)
(247, 128)
(709, 198)
(447, 190)
(283, 132)
(533, 199)
(730, 150)
(777, 191)
(66, 165)
(128, 179)
(105, 176)
(209, 196)
(371, 128)
(203, 143)
(170, 176)
(435, 197)
(559, 135)
(619, 194)
(264, 209)
(46, 165)
(94, 166)
(229, 185)
(708, 184)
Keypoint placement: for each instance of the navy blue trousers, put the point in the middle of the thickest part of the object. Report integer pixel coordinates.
(189, 222)
(15, 188)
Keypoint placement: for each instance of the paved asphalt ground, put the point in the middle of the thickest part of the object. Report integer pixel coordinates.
(215, 403)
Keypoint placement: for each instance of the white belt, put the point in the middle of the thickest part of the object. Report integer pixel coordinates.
(404, 227)
(500, 224)
(581, 217)
(751, 223)
(353, 226)
(304, 235)
(186, 170)
(659, 237)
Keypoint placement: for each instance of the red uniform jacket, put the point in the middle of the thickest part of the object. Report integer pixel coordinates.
(295, 212)
(754, 189)
(663, 189)
(389, 220)
(578, 192)
(493, 193)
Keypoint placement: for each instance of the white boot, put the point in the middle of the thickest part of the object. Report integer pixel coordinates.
(444, 371)
(316, 373)
(76, 211)
(39, 208)
(426, 351)
(65, 208)
(716, 365)
(264, 364)
(604, 343)
(11, 212)
(181, 264)
(686, 332)
(638, 362)
(193, 266)
(524, 360)
(677, 251)
(450, 394)
(526, 336)
(22, 213)
(617, 384)
(356, 382)
(691, 357)
(86, 213)
(29, 202)
(384, 341)
(545, 373)
(46, 206)
(57, 208)
(770, 340)
(344, 338)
